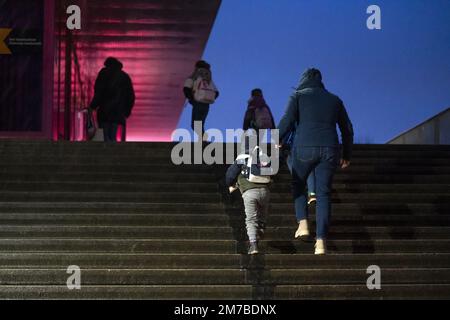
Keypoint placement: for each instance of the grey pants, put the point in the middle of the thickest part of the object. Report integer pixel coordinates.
(256, 202)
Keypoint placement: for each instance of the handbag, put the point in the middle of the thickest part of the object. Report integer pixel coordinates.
(91, 127)
(98, 135)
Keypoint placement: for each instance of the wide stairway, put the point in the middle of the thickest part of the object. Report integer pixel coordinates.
(139, 227)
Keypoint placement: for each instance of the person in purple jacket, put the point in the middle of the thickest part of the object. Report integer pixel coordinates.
(258, 115)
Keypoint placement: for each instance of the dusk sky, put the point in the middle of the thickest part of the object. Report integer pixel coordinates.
(390, 79)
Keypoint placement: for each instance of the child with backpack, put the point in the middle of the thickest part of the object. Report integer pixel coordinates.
(246, 174)
(201, 92)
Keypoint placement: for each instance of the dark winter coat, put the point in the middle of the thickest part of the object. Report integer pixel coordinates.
(313, 113)
(114, 95)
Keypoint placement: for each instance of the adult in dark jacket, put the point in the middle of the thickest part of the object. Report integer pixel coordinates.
(314, 112)
(113, 97)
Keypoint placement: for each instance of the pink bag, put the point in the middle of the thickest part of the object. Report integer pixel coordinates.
(204, 91)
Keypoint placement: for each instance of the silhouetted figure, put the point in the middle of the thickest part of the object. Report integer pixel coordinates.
(113, 97)
(315, 112)
(200, 91)
(258, 116)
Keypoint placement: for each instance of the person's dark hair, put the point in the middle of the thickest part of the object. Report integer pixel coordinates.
(257, 92)
(202, 64)
(112, 62)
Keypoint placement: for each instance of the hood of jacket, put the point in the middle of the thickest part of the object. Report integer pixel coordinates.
(311, 78)
(113, 64)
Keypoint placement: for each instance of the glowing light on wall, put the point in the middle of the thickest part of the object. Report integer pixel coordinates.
(157, 42)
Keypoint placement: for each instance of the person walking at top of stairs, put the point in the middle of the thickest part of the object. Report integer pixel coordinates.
(201, 92)
(114, 98)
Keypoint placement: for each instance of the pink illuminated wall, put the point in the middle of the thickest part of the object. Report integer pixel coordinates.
(157, 41)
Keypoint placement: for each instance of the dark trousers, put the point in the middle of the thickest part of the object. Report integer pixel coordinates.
(110, 131)
(199, 113)
(324, 161)
(311, 181)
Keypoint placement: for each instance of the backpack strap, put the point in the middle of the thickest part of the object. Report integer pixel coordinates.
(242, 158)
(255, 151)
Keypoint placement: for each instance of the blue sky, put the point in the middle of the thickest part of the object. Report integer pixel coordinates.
(389, 79)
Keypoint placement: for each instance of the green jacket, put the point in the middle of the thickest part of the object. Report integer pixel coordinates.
(245, 185)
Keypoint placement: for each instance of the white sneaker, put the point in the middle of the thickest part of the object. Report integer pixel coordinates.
(321, 247)
(302, 231)
(312, 199)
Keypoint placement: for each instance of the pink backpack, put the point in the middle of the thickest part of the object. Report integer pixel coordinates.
(204, 91)
(263, 118)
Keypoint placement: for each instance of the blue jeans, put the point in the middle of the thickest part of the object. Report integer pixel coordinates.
(324, 161)
(311, 181)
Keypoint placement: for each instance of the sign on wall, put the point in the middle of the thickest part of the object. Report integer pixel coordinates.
(21, 65)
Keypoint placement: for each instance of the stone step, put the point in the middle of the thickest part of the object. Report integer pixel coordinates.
(214, 233)
(149, 166)
(223, 276)
(107, 168)
(213, 220)
(164, 161)
(67, 186)
(181, 187)
(140, 227)
(219, 261)
(189, 246)
(173, 177)
(375, 197)
(376, 188)
(158, 176)
(170, 197)
(393, 178)
(228, 292)
(175, 197)
(233, 208)
(359, 292)
(201, 171)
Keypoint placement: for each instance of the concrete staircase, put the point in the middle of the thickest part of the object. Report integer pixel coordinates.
(142, 228)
